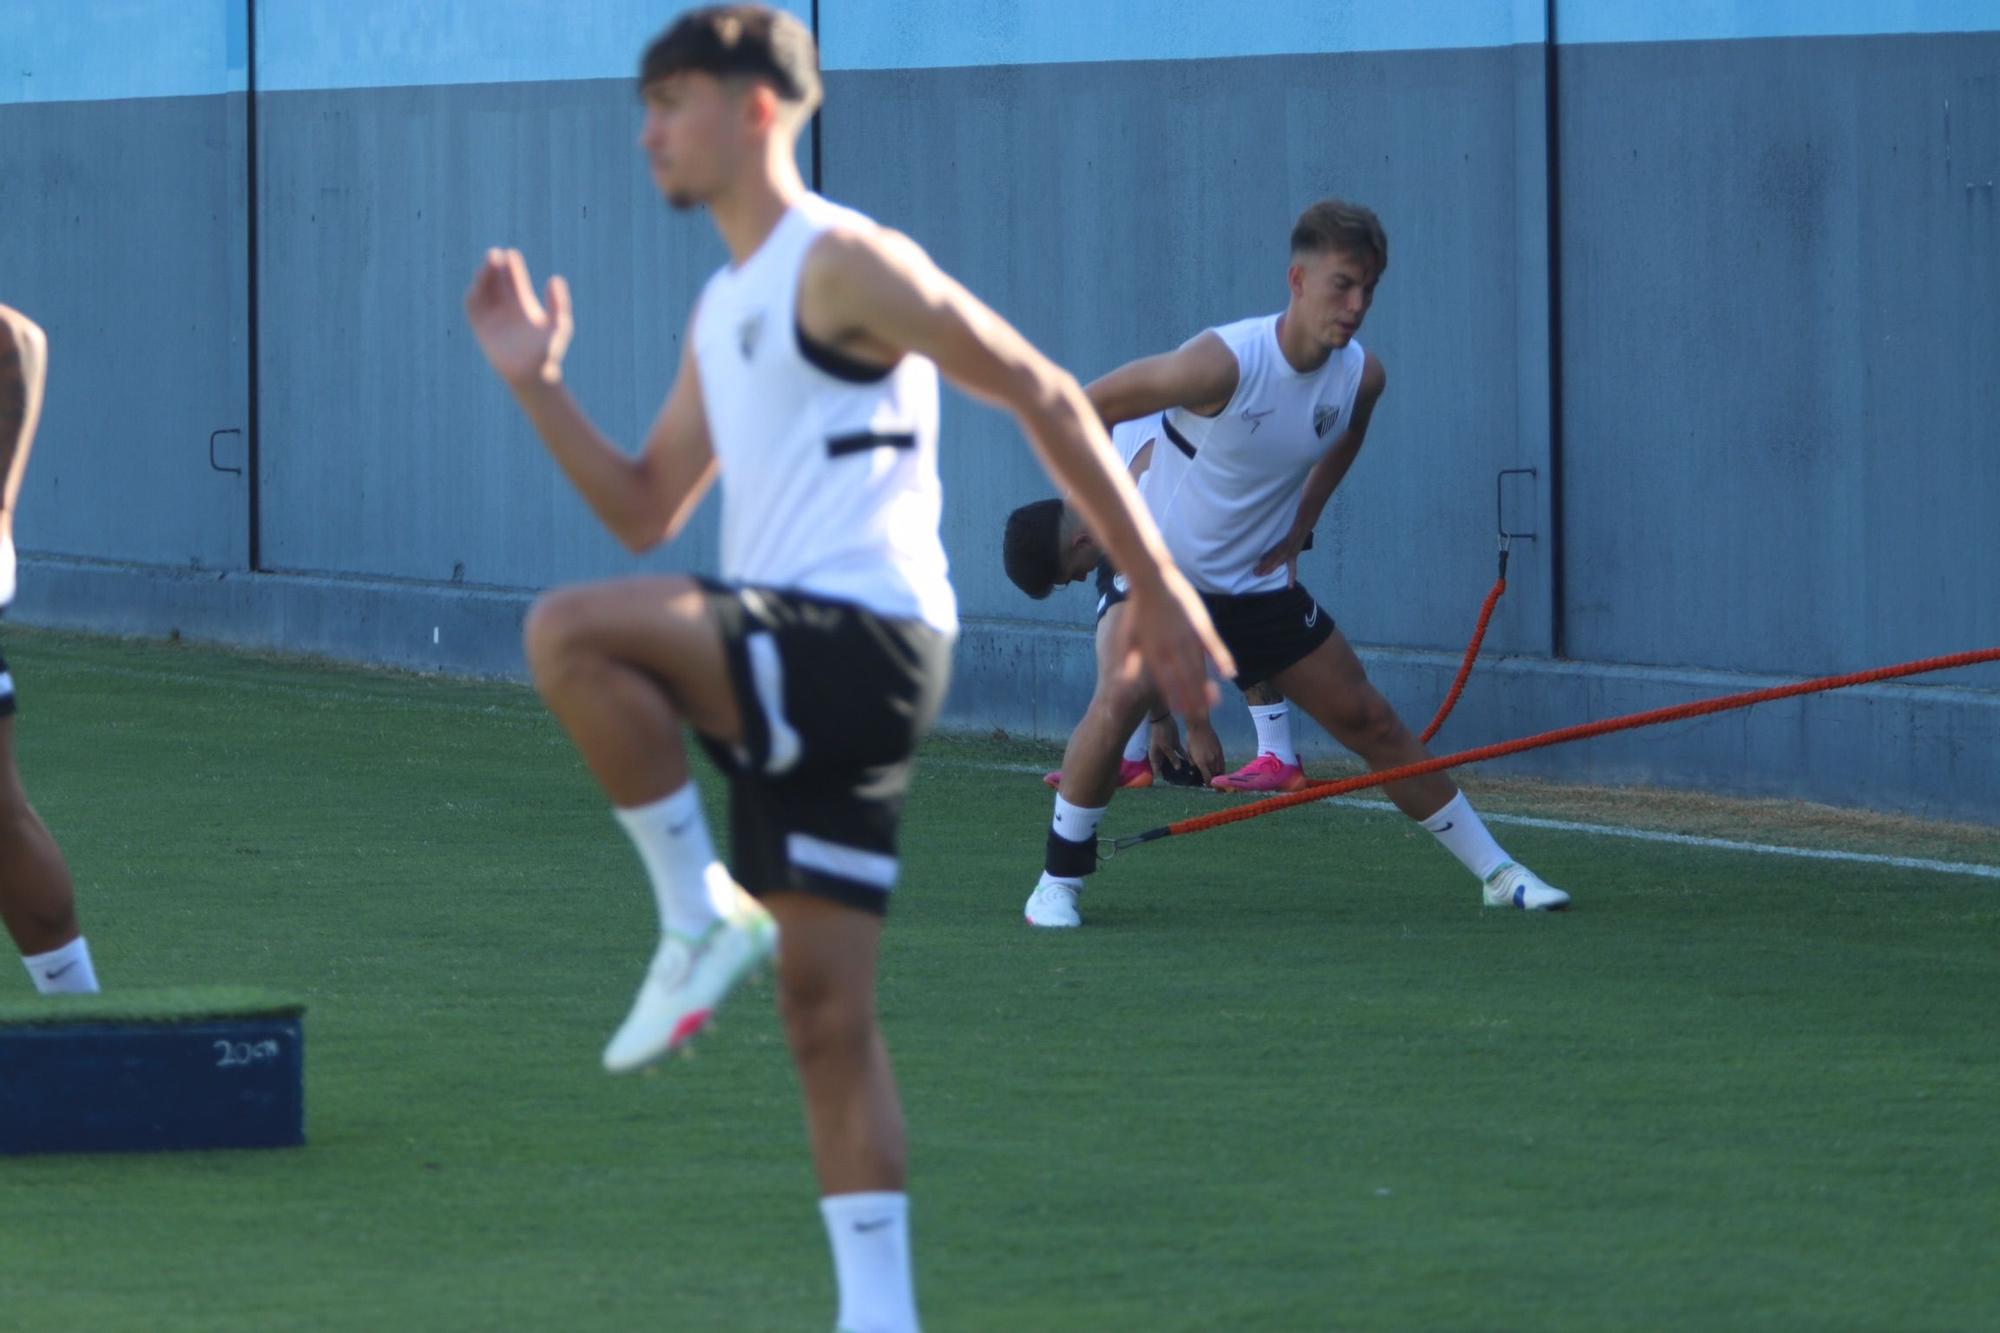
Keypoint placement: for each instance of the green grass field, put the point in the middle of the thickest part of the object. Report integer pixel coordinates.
(1290, 1077)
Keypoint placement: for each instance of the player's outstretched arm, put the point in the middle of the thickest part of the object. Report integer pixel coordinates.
(881, 294)
(24, 363)
(643, 500)
(1200, 375)
(1327, 474)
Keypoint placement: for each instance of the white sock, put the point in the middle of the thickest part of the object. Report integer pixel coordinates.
(1140, 745)
(1072, 823)
(1075, 822)
(1463, 833)
(64, 971)
(672, 837)
(1274, 731)
(871, 1261)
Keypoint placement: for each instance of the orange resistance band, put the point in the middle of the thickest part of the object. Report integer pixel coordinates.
(1320, 791)
(1471, 652)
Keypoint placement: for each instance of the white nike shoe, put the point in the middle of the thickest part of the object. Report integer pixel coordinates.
(1515, 885)
(1053, 904)
(688, 981)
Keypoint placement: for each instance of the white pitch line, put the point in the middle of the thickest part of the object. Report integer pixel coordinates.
(1634, 834)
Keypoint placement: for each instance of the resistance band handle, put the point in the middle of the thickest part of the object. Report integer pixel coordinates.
(1110, 847)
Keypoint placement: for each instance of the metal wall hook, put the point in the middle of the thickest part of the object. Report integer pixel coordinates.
(215, 435)
(1500, 505)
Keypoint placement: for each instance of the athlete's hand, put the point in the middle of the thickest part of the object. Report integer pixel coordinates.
(1205, 748)
(523, 340)
(1169, 632)
(1163, 745)
(1285, 553)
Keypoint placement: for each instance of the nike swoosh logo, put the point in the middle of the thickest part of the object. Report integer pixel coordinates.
(1256, 419)
(1448, 828)
(1312, 618)
(876, 1225)
(682, 827)
(58, 973)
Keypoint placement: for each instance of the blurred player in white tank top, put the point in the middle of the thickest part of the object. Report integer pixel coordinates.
(808, 384)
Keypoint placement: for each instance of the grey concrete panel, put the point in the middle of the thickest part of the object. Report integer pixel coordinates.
(1782, 273)
(390, 449)
(1112, 211)
(122, 233)
(419, 627)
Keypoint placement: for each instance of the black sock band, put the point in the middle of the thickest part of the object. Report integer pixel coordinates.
(1070, 860)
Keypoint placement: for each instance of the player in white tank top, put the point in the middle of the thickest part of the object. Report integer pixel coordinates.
(799, 508)
(1237, 497)
(1265, 416)
(808, 382)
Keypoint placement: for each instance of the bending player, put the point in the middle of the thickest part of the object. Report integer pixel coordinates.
(1265, 417)
(808, 381)
(37, 900)
(1046, 545)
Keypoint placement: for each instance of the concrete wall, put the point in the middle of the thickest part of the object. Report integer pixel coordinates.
(395, 144)
(123, 207)
(1782, 411)
(1778, 271)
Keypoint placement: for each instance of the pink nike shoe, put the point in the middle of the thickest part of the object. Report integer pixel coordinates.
(1131, 773)
(1264, 773)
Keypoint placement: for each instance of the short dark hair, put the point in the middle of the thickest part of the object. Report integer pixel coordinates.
(744, 41)
(1336, 225)
(1032, 548)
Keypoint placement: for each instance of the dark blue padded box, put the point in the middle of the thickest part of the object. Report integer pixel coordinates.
(107, 1075)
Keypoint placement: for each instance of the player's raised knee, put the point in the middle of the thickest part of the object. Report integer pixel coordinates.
(554, 625)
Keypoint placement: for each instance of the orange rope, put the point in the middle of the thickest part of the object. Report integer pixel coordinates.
(1471, 652)
(1320, 791)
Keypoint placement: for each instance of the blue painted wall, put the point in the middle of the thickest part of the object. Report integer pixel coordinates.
(919, 34)
(1583, 21)
(97, 50)
(399, 144)
(1781, 273)
(389, 449)
(123, 215)
(1779, 266)
(313, 45)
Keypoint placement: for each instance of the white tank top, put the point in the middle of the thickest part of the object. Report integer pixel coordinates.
(828, 467)
(1231, 485)
(1129, 437)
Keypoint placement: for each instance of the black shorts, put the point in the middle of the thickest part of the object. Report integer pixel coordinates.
(834, 699)
(1268, 631)
(1264, 631)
